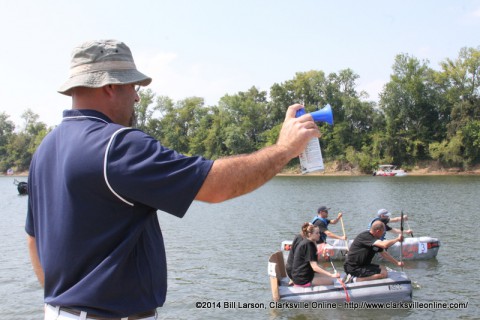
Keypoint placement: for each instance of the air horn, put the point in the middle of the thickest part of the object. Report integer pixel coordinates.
(311, 158)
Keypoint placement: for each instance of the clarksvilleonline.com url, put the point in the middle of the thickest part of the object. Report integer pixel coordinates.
(433, 305)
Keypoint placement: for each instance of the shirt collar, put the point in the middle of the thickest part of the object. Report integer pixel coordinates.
(78, 114)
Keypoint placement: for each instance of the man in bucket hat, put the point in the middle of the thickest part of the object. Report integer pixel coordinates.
(95, 185)
(99, 63)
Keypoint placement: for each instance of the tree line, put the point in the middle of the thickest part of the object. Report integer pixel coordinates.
(422, 115)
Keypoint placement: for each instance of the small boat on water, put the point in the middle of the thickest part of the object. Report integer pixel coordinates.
(417, 248)
(397, 287)
(389, 170)
(22, 187)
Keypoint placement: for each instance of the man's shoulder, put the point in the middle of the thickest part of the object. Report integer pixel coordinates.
(319, 221)
(365, 235)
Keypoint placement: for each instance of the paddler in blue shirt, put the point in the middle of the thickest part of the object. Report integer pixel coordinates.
(321, 221)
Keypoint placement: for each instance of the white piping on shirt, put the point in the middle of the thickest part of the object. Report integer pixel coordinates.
(105, 162)
(82, 117)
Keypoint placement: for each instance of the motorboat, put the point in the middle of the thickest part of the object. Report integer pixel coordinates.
(389, 170)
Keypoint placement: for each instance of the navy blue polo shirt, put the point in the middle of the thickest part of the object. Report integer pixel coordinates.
(94, 188)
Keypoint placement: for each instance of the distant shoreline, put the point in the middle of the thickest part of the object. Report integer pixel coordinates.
(354, 174)
(423, 171)
(428, 171)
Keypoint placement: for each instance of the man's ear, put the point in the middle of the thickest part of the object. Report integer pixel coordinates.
(109, 90)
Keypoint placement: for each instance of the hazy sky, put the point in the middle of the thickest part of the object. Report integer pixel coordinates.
(210, 48)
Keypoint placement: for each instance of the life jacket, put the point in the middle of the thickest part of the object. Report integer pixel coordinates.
(323, 235)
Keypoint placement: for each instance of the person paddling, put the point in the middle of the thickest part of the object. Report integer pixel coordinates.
(321, 221)
(358, 266)
(383, 215)
(305, 270)
(289, 265)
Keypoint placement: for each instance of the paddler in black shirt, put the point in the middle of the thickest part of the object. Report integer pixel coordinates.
(358, 265)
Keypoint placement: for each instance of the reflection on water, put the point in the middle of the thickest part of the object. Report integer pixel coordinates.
(224, 255)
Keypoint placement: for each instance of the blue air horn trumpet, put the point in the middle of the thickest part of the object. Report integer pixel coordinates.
(322, 115)
(311, 158)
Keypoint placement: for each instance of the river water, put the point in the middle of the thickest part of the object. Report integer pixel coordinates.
(218, 253)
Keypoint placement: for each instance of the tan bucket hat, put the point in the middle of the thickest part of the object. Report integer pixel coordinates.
(98, 63)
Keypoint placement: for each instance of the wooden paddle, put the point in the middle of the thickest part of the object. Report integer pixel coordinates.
(343, 228)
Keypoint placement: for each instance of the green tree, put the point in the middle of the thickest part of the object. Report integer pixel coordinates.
(459, 85)
(143, 112)
(471, 142)
(214, 143)
(307, 88)
(7, 128)
(245, 119)
(459, 82)
(179, 122)
(409, 102)
(22, 145)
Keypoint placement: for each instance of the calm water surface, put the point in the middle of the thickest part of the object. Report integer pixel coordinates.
(219, 253)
